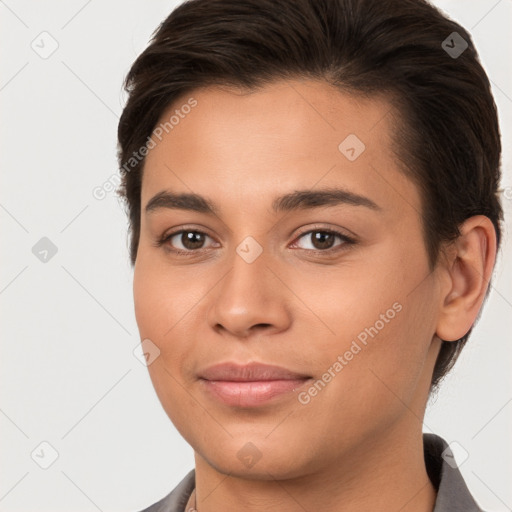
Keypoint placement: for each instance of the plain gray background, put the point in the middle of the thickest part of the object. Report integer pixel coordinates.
(69, 378)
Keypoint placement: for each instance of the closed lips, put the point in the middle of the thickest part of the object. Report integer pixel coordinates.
(252, 372)
(250, 385)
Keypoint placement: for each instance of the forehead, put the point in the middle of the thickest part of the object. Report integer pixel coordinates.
(285, 111)
(285, 135)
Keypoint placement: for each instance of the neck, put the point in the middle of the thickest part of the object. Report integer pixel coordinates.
(388, 474)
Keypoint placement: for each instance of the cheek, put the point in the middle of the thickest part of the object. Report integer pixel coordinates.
(347, 300)
(147, 296)
(376, 317)
(159, 306)
(162, 296)
(168, 305)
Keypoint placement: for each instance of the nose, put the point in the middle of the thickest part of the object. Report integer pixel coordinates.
(250, 299)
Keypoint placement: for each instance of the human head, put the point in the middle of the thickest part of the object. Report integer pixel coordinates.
(445, 123)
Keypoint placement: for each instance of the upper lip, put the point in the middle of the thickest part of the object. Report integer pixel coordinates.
(249, 372)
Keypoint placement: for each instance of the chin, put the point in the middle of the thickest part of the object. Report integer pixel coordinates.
(256, 458)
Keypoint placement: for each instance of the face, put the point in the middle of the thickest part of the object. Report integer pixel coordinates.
(304, 250)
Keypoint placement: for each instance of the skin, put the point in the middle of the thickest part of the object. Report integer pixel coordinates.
(293, 307)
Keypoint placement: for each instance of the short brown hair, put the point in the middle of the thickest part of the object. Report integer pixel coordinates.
(448, 139)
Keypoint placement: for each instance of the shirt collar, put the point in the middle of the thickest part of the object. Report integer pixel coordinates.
(452, 492)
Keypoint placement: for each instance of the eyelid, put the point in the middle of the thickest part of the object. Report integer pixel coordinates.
(346, 239)
(185, 227)
(344, 232)
(163, 240)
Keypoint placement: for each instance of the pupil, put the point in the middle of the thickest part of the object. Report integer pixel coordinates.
(192, 240)
(323, 240)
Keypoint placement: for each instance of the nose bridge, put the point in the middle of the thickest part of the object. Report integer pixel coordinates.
(249, 294)
(249, 266)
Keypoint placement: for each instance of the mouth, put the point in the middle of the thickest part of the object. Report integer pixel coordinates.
(249, 385)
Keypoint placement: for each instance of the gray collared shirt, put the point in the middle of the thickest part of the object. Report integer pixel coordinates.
(452, 492)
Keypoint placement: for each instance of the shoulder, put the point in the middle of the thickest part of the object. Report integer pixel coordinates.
(453, 494)
(177, 499)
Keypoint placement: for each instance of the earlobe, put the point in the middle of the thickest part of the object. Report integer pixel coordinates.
(469, 271)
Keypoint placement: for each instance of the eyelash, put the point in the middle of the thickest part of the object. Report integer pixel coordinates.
(346, 241)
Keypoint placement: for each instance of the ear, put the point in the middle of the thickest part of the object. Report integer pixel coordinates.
(468, 270)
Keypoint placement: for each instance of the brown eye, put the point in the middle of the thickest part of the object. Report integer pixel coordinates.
(323, 240)
(185, 241)
(191, 239)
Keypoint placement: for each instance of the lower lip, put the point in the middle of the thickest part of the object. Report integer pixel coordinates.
(250, 394)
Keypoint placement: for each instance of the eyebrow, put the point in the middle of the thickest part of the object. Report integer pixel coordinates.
(297, 200)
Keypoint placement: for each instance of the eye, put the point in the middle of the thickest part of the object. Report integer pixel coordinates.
(184, 241)
(323, 240)
(190, 241)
